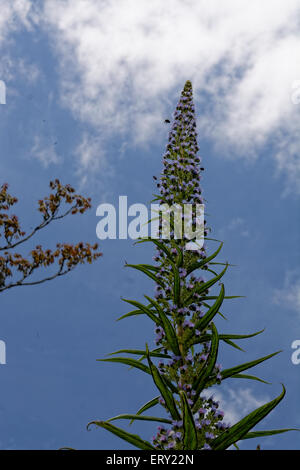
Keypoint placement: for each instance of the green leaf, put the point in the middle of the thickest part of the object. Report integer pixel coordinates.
(172, 387)
(202, 339)
(128, 362)
(160, 245)
(159, 197)
(146, 271)
(133, 439)
(150, 266)
(154, 353)
(190, 441)
(144, 309)
(209, 365)
(199, 264)
(206, 337)
(132, 313)
(213, 239)
(247, 365)
(162, 387)
(250, 377)
(224, 264)
(201, 324)
(156, 304)
(208, 307)
(212, 271)
(230, 336)
(240, 429)
(142, 418)
(146, 406)
(167, 326)
(206, 285)
(255, 434)
(214, 297)
(231, 343)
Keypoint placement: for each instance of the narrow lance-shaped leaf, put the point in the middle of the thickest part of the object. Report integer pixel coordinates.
(206, 285)
(141, 418)
(209, 365)
(199, 264)
(144, 309)
(147, 266)
(133, 313)
(128, 362)
(206, 337)
(226, 373)
(202, 324)
(212, 271)
(146, 271)
(249, 377)
(154, 353)
(162, 387)
(133, 439)
(256, 434)
(147, 406)
(160, 245)
(223, 264)
(231, 343)
(231, 336)
(208, 307)
(190, 440)
(168, 328)
(226, 297)
(240, 429)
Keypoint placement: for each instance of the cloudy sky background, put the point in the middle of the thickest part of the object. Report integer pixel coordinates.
(88, 86)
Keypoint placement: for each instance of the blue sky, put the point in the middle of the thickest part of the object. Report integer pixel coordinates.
(88, 86)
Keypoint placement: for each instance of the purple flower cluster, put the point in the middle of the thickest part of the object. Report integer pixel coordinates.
(180, 179)
(208, 422)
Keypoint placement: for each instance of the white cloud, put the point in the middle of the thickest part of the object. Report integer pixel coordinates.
(91, 157)
(44, 152)
(237, 225)
(119, 60)
(237, 403)
(28, 71)
(289, 295)
(14, 14)
(89, 152)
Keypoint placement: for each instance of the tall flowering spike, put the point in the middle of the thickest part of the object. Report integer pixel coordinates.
(180, 180)
(183, 365)
(180, 184)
